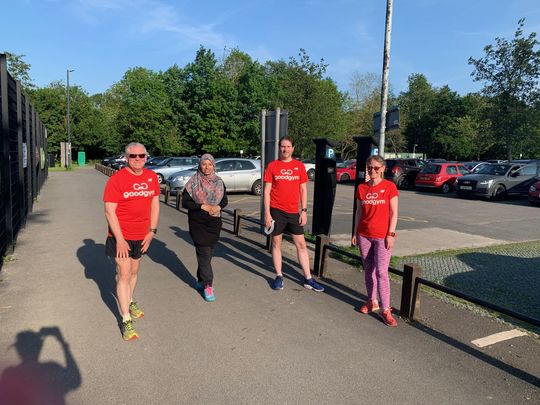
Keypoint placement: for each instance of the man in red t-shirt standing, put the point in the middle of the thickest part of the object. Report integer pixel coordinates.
(285, 191)
(132, 210)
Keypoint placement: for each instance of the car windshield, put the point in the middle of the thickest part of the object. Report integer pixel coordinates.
(431, 169)
(494, 169)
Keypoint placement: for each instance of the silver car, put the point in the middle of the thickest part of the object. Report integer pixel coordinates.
(498, 180)
(172, 165)
(238, 174)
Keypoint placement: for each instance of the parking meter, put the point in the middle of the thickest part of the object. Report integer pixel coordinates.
(325, 186)
(364, 149)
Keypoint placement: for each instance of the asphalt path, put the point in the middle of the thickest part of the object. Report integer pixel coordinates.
(58, 319)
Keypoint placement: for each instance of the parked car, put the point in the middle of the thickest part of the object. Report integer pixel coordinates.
(310, 168)
(172, 165)
(440, 176)
(156, 160)
(497, 180)
(238, 174)
(403, 171)
(109, 160)
(534, 193)
(474, 166)
(346, 171)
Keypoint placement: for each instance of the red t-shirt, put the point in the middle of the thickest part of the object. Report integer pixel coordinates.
(375, 202)
(286, 178)
(134, 195)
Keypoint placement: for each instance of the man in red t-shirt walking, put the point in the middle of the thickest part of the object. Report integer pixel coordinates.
(132, 210)
(284, 189)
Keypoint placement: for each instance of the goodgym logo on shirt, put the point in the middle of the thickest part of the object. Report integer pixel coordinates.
(141, 190)
(287, 174)
(371, 199)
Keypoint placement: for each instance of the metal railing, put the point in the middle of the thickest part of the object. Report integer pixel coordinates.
(23, 151)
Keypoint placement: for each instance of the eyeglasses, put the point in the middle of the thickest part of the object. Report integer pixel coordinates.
(375, 168)
(134, 155)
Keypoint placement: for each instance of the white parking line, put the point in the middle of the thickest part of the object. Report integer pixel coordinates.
(497, 337)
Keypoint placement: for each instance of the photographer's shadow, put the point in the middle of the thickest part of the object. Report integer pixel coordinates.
(34, 382)
(102, 270)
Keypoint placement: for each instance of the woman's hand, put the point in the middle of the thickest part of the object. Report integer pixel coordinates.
(390, 242)
(353, 240)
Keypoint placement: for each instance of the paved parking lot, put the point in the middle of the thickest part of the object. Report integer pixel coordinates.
(423, 215)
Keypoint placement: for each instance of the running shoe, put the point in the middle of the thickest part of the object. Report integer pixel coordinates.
(311, 284)
(135, 311)
(369, 306)
(387, 317)
(128, 332)
(208, 294)
(278, 283)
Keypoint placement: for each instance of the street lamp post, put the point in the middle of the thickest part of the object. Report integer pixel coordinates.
(68, 119)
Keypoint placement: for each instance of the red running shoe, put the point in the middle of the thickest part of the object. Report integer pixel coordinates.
(387, 317)
(369, 306)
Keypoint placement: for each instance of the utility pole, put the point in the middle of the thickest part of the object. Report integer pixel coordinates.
(68, 121)
(386, 66)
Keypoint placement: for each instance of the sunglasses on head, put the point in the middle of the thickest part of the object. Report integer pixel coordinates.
(134, 155)
(375, 168)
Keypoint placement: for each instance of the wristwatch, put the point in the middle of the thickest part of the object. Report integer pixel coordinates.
(303, 210)
(393, 234)
(153, 230)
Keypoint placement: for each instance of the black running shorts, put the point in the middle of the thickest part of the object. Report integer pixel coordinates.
(286, 222)
(134, 248)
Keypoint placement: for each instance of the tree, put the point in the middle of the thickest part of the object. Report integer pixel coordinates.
(510, 72)
(211, 122)
(144, 113)
(20, 70)
(314, 104)
(415, 105)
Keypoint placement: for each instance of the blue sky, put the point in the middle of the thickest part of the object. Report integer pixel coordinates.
(101, 39)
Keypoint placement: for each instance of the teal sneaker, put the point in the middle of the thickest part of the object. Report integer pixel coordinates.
(208, 294)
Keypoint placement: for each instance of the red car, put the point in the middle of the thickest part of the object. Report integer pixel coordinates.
(441, 176)
(534, 194)
(346, 170)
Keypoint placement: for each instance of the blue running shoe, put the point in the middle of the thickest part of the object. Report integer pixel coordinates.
(311, 284)
(278, 283)
(208, 294)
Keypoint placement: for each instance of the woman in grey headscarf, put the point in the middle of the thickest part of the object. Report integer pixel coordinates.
(205, 196)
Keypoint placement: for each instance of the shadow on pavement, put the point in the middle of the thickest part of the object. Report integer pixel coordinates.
(35, 382)
(522, 375)
(509, 281)
(102, 270)
(161, 254)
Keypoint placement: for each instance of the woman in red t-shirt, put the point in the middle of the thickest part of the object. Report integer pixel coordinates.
(375, 233)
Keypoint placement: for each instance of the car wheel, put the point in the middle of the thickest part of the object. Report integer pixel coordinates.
(344, 177)
(499, 193)
(311, 174)
(256, 188)
(160, 178)
(446, 188)
(403, 183)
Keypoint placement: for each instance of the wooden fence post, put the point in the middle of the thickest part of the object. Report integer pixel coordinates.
(237, 226)
(319, 262)
(410, 298)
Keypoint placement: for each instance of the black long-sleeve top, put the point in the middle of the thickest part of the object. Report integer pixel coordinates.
(203, 228)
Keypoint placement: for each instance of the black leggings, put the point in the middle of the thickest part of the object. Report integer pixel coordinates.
(205, 274)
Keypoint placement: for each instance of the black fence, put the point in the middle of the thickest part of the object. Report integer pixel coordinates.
(23, 148)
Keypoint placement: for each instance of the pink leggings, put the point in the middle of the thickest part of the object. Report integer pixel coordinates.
(376, 259)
